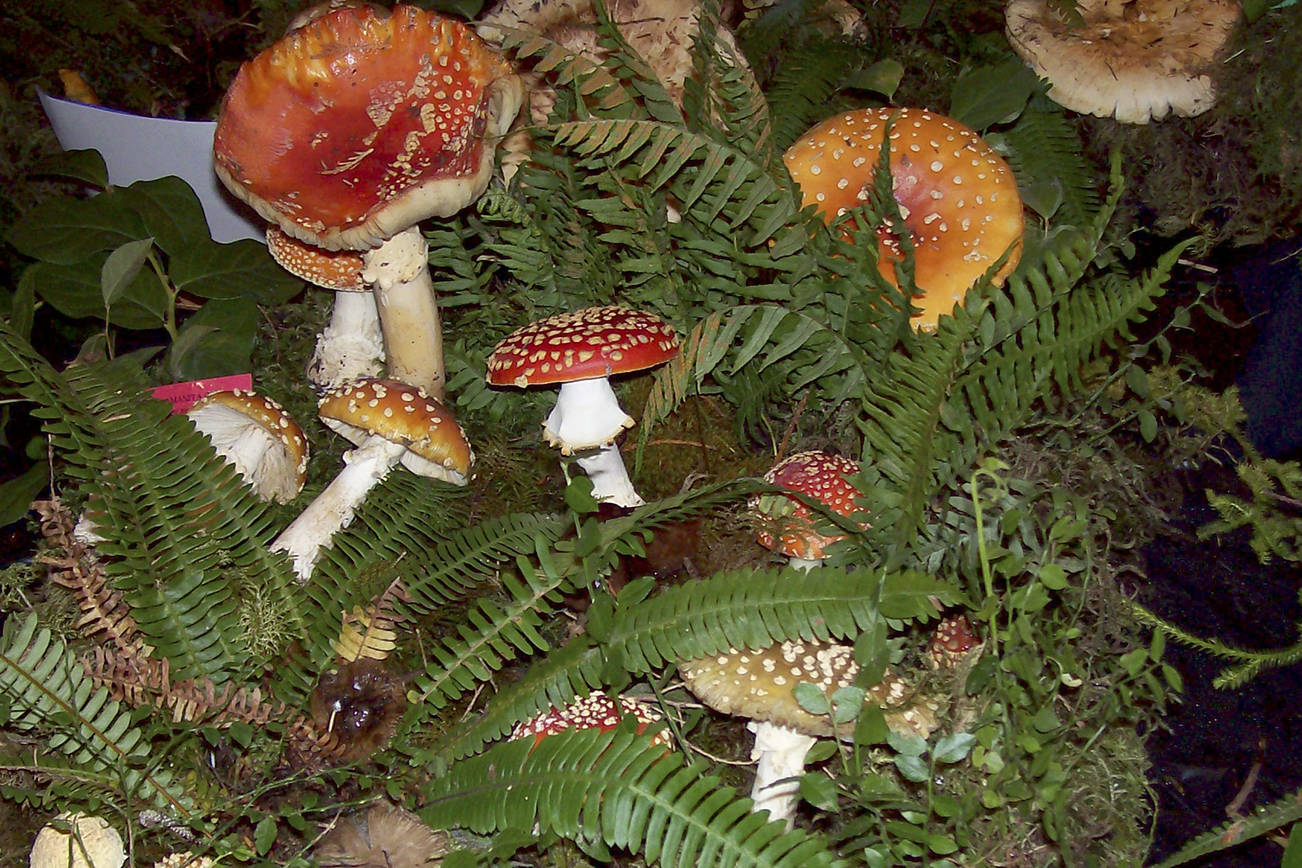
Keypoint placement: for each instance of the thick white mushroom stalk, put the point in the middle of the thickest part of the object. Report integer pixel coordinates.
(585, 422)
(780, 753)
(334, 508)
(398, 270)
(351, 346)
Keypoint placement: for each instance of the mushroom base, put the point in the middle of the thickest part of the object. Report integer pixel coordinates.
(781, 755)
(610, 482)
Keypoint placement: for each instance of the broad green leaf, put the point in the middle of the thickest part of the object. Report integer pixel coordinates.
(882, 77)
(991, 95)
(74, 291)
(819, 790)
(83, 164)
(67, 230)
(264, 835)
(953, 748)
(241, 269)
(215, 341)
(17, 494)
(121, 267)
(170, 211)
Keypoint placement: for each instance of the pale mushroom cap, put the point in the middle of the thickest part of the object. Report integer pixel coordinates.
(339, 270)
(597, 710)
(231, 416)
(436, 445)
(582, 345)
(362, 122)
(787, 526)
(958, 198)
(185, 860)
(382, 835)
(758, 684)
(1136, 60)
(92, 844)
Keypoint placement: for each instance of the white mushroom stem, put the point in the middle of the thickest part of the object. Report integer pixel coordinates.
(609, 477)
(781, 755)
(404, 294)
(334, 507)
(352, 345)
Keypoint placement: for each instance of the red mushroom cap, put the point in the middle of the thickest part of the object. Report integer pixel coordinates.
(958, 198)
(596, 710)
(362, 123)
(582, 345)
(950, 643)
(789, 524)
(329, 269)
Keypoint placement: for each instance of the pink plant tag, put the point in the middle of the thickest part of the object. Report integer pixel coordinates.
(183, 395)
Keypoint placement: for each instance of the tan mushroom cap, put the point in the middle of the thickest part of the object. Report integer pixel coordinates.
(92, 843)
(436, 445)
(1135, 60)
(340, 270)
(758, 685)
(384, 834)
(362, 122)
(281, 473)
(958, 198)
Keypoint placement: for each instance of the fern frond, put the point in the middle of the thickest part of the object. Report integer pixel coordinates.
(1043, 148)
(48, 690)
(758, 608)
(372, 633)
(802, 88)
(613, 789)
(1262, 821)
(1248, 663)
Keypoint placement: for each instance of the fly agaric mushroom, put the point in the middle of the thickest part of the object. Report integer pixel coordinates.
(760, 685)
(77, 841)
(597, 710)
(951, 642)
(787, 526)
(255, 435)
(389, 422)
(385, 835)
(957, 197)
(350, 130)
(1134, 60)
(351, 346)
(581, 351)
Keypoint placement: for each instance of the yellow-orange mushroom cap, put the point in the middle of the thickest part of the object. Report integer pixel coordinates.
(958, 197)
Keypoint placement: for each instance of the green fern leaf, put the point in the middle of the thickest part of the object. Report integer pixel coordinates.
(48, 690)
(606, 789)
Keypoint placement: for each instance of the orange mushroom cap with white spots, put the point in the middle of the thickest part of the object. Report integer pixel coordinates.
(787, 525)
(957, 197)
(340, 270)
(362, 123)
(436, 445)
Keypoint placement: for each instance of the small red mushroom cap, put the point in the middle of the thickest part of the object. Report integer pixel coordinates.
(596, 710)
(436, 445)
(958, 198)
(951, 642)
(787, 524)
(339, 270)
(582, 345)
(363, 122)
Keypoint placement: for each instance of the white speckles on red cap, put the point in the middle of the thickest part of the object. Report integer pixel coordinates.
(596, 710)
(787, 525)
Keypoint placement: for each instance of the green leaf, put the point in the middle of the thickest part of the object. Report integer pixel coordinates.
(215, 341)
(17, 494)
(871, 651)
(812, 699)
(907, 745)
(989, 95)
(913, 768)
(121, 268)
(1053, 576)
(578, 495)
(1147, 425)
(264, 835)
(819, 790)
(80, 164)
(871, 727)
(170, 211)
(66, 230)
(953, 748)
(1293, 851)
(882, 77)
(241, 269)
(74, 291)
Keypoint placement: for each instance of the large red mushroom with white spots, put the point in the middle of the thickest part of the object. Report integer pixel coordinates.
(789, 527)
(390, 423)
(580, 351)
(356, 126)
(957, 197)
